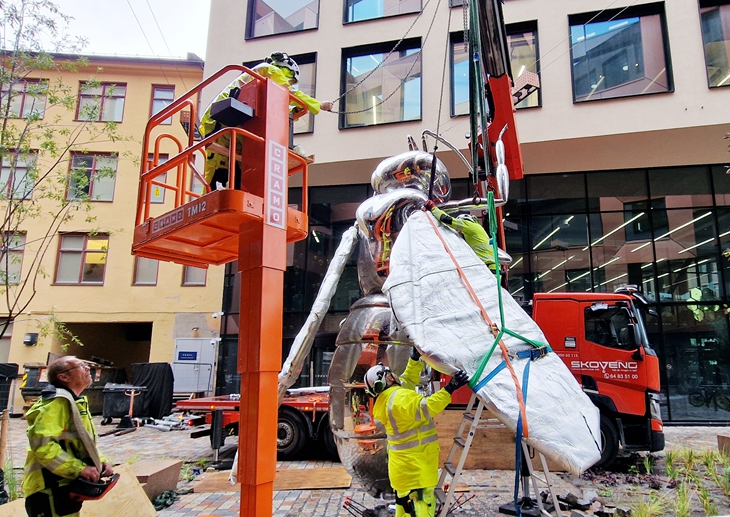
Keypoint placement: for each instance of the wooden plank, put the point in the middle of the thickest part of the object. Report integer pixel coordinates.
(723, 444)
(493, 448)
(126, 498)
(286, 479)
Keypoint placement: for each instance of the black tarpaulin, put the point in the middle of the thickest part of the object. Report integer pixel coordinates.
(159, 380)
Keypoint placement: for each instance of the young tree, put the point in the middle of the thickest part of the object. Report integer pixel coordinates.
(42, 138)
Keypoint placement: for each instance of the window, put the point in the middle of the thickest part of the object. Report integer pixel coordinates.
(162, 97)
(28, 98)
(609, 327)
(101, 103)
(522, 47)
(267, 17)
(358, 10)
(158, 192)
(619, 53)
(92, 177)
(145, 271)
(194, 275)
(715, 20)
(11, 258)
(82, 259)
(17, 176)
(382, 88)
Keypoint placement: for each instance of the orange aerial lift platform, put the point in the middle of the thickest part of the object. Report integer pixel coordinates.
(252, 224)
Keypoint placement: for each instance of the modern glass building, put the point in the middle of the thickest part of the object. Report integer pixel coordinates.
(626, 179)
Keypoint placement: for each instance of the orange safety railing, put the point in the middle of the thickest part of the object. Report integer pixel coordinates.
(184, 161)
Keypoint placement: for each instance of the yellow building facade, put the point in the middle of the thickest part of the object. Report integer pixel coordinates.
(123, 309)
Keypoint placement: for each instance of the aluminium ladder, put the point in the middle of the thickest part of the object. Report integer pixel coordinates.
(473, 420)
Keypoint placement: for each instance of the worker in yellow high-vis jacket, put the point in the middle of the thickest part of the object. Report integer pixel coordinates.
(284, 71)
(56, 454)
(413, 448)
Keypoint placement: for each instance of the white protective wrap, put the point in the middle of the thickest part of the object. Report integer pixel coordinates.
(434, 306)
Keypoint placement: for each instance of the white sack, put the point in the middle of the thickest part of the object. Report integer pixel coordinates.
(435, 308)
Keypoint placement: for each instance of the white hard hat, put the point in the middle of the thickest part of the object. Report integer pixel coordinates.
(282, 60)
(467, 217)
(375, 382)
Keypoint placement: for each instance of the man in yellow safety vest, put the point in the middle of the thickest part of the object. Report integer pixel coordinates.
(413, 448)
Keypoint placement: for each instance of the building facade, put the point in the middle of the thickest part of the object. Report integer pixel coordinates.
(625, 162)
(123, 309)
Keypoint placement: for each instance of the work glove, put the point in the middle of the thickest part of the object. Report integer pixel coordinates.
(459, 379)
(415, 354)
(430, 205)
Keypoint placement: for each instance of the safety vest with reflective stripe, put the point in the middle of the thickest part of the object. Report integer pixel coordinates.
(413, 449)
(53, 441)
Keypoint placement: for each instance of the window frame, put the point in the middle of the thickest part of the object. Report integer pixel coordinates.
(162, 178)
(251, 22)
(345, 20)
(24, 94)
(634, 11)
(457, 38)
(186, 283)
(167, 87)
(135, 279)
(94, 170)
(709, 4)
(104, 85)
(379, 48)
(11, 184)
(12, 251)
(84, 251)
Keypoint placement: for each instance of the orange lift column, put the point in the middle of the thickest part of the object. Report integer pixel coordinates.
(262, 262)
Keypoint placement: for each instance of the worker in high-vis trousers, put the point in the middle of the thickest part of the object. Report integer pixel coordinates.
(474, 233)
(283, 70)
(413, 448)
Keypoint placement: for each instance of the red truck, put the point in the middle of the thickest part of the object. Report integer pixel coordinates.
(602, 339)
(303, 419)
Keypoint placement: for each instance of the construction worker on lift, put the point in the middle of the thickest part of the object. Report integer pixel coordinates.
(413, 448)
(284, 71)
(474, 234)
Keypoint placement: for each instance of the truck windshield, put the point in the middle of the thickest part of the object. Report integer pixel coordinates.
(609, 326)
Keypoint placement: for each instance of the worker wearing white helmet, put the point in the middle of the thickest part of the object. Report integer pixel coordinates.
(283, 70)
(413, 448)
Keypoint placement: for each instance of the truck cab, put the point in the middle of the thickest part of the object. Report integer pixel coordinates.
(602, 339)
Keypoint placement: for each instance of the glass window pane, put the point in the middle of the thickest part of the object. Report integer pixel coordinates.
(680, 186)
(145, 271)
(194, 275)
(103, 188)
(522, 46)
(556, 193)
(162, 97)
(72, 242)
(89, 108)
(721, 182)
(277, 17)
(307, 72)
(113, 109)
(376, 83)
(358, 10)
(612, 190)
(459, 78)
(69, 265)
(697, 361)
(622, 56)
(716, 38)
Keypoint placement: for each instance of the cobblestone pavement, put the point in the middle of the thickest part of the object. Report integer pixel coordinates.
(490, 487)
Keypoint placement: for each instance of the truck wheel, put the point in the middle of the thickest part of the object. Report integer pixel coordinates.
(291, 434)
(609, 443)
(328, 439)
